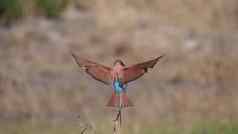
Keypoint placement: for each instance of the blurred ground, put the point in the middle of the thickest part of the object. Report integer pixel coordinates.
(195, 82)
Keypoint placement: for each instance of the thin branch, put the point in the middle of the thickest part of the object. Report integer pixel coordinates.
(117, 122)
(84, 130)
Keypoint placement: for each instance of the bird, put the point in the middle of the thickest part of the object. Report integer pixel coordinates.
(118, 76)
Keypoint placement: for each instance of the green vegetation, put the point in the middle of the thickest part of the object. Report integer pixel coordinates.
(52, 8)
(15, 9)
(11, 9)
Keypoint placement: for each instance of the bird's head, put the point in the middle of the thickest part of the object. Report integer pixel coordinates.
(118, 62)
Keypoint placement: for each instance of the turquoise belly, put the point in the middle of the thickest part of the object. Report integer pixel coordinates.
(118, 87)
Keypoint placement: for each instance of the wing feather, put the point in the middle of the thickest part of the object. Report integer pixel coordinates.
(134, 72)
(97, 71)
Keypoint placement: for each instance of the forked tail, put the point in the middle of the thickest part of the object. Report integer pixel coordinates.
(119, 100)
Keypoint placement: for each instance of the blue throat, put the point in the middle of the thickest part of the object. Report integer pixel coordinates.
(118, 86)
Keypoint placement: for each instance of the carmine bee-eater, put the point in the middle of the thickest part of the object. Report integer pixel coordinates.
(118, 76)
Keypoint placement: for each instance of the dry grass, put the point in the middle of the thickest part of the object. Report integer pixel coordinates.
(192, 90)
(211, 15)
(187, 86)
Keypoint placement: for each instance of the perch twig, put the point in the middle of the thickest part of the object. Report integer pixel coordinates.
(117, 122)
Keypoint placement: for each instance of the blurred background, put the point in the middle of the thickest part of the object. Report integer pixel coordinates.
(193, 90)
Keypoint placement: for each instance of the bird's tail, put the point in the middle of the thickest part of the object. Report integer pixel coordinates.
(119, 100)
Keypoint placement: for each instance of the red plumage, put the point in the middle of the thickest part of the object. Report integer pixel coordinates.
(108, 75)
(118, 100)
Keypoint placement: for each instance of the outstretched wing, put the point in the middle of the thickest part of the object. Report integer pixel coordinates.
(97, 71)
(136, 71)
